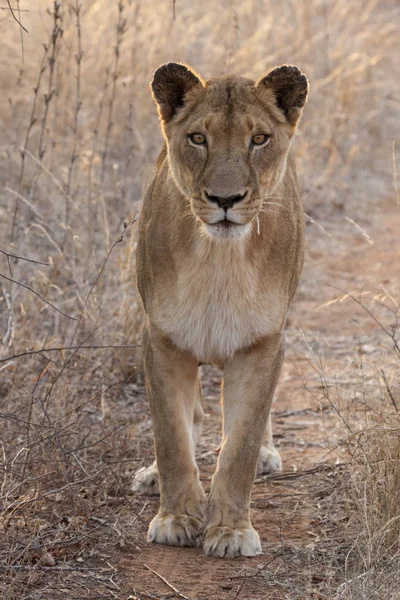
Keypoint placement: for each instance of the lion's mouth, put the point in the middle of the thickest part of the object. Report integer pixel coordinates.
(227, 229)
(226, 223)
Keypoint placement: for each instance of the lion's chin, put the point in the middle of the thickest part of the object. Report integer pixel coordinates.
(227, 230)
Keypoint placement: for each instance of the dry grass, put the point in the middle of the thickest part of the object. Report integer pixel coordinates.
(366, 496)
(79, 138)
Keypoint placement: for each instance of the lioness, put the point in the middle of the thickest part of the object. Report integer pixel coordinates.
(219, 257)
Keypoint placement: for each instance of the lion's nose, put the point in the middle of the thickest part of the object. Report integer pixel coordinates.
(226, 202)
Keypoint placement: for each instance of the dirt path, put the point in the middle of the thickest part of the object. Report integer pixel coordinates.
(290, 512)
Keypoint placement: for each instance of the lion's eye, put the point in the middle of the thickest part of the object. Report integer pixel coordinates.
(197, 138)
(261, 139)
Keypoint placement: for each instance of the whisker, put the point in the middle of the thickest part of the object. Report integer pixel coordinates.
(187, 213)
(276, 204)
(271, 211)
(267, 197)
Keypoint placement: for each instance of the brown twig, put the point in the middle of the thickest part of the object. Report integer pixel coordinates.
(97, 395)
(8, 336)
(141, 595)
(92, 156)
(277, 555)
(67, 362)
(171, 587)
(371, 314)
(50, 174)
(389, 391)
(61, 348)
(56, 569)
(395, 185)
(99, 274)
(32, 122)
(16, 18)
(240, 586)
(54, 43)
(320, 227)
(77, 10)
(21, 35)
(18, 196)
(37, 294)
(121, 25)
(17, 504)
(296, 474)
(37, 262)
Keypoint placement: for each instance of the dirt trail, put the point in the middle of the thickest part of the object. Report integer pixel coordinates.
(289, 511)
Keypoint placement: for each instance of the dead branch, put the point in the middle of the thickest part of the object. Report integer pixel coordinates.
(296, 474)
(17, 504)
(27, 287)
(79, 55)
(57, 569)
(37, 262)
(49, 173)
(61, 348)
(15, 17)
(99, 274)
(18, 196)
(171, 587)
(391, 335)
(67, 362)
(120, 30)
(32, 122)
(389, 391)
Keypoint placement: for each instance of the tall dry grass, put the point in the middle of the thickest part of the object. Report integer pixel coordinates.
(80, 132)
(79, 138)
(366, 400)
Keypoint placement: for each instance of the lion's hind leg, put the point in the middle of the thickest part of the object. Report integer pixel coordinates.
(145, 481)
(269, 459)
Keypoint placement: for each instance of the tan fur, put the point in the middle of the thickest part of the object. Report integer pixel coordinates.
(217, 293)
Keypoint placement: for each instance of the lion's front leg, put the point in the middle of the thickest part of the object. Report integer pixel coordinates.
(172, 387)
(146, 480)
(249, 383)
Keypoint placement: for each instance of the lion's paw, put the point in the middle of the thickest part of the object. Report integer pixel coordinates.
(174, 530)
(269, 461)
(225, 542)
(145, 481)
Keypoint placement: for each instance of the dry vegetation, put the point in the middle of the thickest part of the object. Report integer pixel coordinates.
(79, 138)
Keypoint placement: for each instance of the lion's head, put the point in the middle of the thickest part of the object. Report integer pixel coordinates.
(228, 140)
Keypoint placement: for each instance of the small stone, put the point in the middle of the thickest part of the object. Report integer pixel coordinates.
(47, 560)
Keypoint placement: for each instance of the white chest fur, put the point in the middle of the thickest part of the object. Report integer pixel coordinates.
(219, 306)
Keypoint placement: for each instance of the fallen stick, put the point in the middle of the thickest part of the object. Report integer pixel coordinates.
(171, 587)
(287, 475)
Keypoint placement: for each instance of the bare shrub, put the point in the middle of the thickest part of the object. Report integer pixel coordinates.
(369, 419)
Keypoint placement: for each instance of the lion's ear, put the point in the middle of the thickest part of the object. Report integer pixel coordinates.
(290, 88)
(171, 82)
